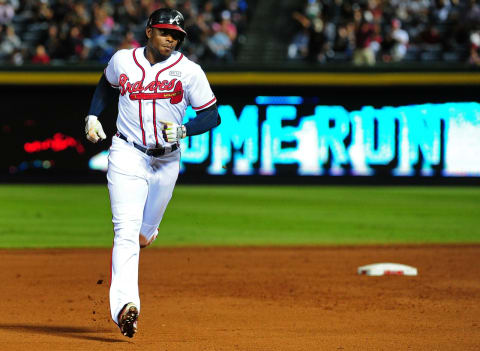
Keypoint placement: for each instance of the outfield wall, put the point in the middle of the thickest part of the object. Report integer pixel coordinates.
(276, 127)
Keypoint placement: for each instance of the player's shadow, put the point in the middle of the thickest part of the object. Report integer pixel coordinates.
(57, 330)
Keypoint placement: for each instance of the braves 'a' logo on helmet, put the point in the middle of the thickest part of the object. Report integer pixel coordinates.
(176, 20)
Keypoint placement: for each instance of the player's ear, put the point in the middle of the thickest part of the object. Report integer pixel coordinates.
(148, 32)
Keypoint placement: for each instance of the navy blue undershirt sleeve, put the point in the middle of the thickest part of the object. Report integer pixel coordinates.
(103, 96)
(206, 119)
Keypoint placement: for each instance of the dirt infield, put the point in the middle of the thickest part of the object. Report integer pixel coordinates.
(246, 299)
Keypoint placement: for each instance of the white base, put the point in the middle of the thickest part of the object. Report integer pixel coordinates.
(378, 269)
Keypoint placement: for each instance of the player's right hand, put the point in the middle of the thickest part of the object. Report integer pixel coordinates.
(172, 132)
(93, 129)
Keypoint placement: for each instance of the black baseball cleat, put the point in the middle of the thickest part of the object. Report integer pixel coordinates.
(127, 319)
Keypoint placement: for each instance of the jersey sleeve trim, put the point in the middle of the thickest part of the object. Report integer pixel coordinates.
(211, 102)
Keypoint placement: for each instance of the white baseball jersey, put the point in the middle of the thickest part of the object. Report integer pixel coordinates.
(150, 93)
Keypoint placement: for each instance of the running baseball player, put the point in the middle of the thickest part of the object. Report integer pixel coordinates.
(154, 84)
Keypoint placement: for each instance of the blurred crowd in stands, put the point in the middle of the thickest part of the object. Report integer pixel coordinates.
(76, 31)
(366, 32)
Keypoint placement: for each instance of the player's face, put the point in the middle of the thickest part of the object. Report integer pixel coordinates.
(163, 41)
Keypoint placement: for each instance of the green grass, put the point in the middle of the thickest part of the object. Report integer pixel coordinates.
(79, 216)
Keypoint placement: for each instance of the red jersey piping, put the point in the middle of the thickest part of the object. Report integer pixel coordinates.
(140, 101)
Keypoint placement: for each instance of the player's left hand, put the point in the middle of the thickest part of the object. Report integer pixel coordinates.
(173, 132)
(93, 129)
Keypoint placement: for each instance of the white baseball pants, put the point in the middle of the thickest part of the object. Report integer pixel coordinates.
(140, 188)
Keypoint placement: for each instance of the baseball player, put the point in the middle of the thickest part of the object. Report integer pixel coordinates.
(154, 84)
